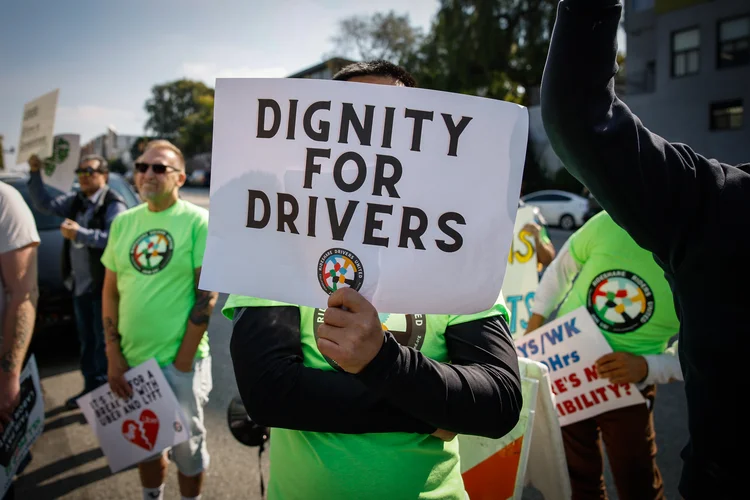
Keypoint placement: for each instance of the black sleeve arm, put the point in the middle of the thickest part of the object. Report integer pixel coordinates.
(478, 393)
(655, 190)
(279, 391)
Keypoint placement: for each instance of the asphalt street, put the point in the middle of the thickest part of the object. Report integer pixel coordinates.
(67, 462)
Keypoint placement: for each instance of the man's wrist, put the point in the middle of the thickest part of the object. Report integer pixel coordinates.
(10, 375)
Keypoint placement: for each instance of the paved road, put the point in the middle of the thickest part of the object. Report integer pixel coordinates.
(68, 463)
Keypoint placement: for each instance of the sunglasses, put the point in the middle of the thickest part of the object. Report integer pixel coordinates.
(158, 168)
(88, 171)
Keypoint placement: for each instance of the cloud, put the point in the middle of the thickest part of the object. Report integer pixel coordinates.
(208, 72)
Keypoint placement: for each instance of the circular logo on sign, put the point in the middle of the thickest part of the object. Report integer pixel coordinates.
(408, 329)
(152, 251)
(339, 268)
(620, 301)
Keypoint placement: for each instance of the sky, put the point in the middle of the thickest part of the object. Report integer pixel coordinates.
(105, 56)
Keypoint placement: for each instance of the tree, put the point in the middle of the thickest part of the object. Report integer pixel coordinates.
(118, 166)
(492, 48)
(196, 133)
(382, 36)
(171, 104)
(138, 146)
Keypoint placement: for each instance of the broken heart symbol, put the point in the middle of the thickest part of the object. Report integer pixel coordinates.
(144, 432)
(150, 423)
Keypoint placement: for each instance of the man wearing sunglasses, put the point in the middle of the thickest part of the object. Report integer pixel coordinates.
(88, 215)
(152, 306)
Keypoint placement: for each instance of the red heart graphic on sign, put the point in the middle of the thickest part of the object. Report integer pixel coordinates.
(143, 435)
(150, 425)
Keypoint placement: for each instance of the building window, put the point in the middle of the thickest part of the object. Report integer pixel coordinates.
(734, 42)
(641, 5)
(686, 52)
(727, 115)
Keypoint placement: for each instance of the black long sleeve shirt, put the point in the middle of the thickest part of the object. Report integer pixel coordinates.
(401, 390)
(690, 211)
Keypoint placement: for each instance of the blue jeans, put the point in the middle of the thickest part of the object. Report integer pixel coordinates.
(88, 312)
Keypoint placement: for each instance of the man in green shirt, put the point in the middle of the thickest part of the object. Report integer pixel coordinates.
(367, 405)
(152, 307)
(601, 268)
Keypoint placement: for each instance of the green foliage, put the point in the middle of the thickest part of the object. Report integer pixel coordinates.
(383, 36)
(171, 104)
(117, 166)
(196, 133)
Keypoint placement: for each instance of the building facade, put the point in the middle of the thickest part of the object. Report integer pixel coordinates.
(324, 70)
(688, 73)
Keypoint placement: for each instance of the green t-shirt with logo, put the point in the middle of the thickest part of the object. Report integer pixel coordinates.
(315, 465)
(622, 287)
(155, 255)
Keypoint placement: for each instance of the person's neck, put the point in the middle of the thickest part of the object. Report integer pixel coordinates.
(163, 203)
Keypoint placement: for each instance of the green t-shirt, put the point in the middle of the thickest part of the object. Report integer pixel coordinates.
(622, 287)
(155, 255)
(314, 465)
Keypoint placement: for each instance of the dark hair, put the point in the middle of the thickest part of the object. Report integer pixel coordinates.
(103, 165)
(376, 68)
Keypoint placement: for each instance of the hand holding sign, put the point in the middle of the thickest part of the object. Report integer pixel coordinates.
(622, 368)
(35, 164)
(351, 333)
(10, 390)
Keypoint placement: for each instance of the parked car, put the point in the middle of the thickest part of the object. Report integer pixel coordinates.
(55, 307)
(560, 208)
(200, 178)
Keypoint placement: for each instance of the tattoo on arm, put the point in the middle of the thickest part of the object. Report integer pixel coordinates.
(204, 305)
(110, 331)
(12, 358)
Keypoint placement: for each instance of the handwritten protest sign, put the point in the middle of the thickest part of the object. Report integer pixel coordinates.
(132, 430)
(395, 192)
(569, 347)
(37, 127)
(521, 276)
(25, 426)
(59, 169)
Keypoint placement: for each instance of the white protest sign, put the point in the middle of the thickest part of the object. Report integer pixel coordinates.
(400, 193)
(25, 426)
(521, 275)
(37, 127)
(58, 170)
(132, 430)
(569, 347)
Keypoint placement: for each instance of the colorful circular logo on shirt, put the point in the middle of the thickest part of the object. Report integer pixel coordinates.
(620, 301)
(408, 329)
(152, 251)
(339, 268)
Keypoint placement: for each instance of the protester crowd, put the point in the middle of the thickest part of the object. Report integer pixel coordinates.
(351, 402)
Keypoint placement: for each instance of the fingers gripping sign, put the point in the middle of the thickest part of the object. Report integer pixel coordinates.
(622, 368)
(351, 333)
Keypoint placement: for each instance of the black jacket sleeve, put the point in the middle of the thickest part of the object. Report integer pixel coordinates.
(279, 391)
(478, 393)
(655, 190)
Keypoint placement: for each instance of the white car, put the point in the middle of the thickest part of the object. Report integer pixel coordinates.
(560, 208)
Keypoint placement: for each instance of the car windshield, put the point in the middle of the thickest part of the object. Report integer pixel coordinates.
(46, 222)
(43, 221)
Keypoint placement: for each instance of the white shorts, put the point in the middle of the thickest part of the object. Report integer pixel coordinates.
(191, 390)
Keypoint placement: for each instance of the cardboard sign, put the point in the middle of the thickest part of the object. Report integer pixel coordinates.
(37, 127)
(521, 275)
(132, 430)
(569, 347)
(395, 192)
(25, 426)
(58, 170)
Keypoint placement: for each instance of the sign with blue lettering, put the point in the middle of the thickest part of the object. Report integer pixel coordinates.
(570, 347)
